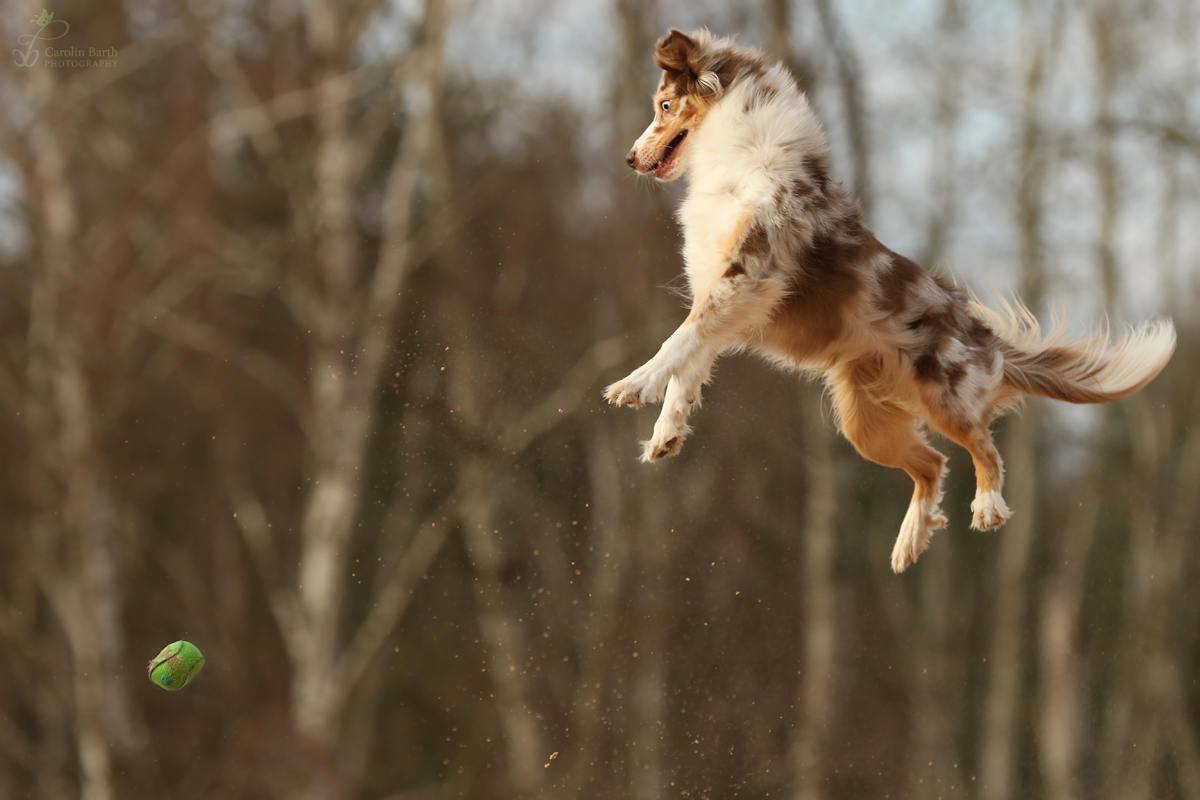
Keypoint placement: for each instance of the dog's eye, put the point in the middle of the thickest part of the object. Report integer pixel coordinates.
(666, 105)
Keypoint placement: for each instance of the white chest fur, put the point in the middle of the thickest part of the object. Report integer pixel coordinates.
(709, 220)
(748, 147)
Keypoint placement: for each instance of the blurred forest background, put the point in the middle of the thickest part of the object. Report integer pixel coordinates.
(305, 312)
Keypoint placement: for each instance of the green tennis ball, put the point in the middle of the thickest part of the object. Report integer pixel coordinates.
(175, 666)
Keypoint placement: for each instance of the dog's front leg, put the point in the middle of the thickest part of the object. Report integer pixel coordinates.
(672, 428)
(725, 312)
(736, 309)
(743, 253)
(648, 383)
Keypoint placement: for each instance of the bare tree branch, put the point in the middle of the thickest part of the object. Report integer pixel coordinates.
(251, 520)
(250, 115)
(204, 338)
(564, 400)
(251, 120)
(382, 296)
(389, 606)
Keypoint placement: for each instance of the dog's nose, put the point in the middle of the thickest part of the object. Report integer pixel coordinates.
(631, 159)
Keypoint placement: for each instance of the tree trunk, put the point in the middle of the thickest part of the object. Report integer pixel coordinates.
(503, 634)
(997, 769)
(816, 690)
(1059, 716)
(653, 549)
(76, 562)
(349, 312)
(598, 646)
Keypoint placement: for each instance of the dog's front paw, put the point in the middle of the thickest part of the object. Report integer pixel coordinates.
(646, 384)
(659, 448)
(670, 430)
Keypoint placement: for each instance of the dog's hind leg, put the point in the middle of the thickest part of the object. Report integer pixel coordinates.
(988, 509)
(891, 436)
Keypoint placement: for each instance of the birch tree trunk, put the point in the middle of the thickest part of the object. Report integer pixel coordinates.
(817, 685)
(348, 311)
(934, 760)
(1006, 649)
(1006, 653)
(600, 676)
(649, 717)
(75, 560)
(1148, 735)
(503, 633)
(1059, 722)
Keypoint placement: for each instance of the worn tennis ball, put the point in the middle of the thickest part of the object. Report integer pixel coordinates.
(175, 666)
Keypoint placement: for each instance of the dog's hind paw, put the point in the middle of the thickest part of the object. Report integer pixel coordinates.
(989, 511)
(919, 524)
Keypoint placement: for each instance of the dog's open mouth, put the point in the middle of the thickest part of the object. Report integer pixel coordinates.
(668, 157)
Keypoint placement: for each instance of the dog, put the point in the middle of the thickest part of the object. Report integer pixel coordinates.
(778, 261)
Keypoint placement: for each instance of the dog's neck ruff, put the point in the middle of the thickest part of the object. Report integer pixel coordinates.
(758, 133)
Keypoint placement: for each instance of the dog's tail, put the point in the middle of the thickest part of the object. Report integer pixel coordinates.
(1091, 369)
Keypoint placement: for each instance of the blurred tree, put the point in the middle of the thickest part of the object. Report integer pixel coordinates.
(346, 300)
(1002, 722)
(304, 316)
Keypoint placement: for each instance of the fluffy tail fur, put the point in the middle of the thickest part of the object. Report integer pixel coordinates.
(1089, 369)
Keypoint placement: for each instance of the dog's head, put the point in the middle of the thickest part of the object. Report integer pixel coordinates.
(696, 72)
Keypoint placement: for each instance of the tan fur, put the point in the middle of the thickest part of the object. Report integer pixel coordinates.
(779, 261)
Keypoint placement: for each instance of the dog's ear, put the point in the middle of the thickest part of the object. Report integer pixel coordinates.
(673, 51)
